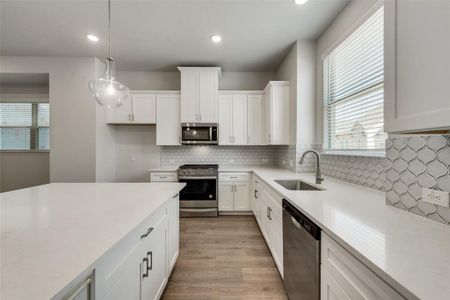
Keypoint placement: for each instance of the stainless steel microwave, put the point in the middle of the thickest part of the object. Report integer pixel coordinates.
(199, 134)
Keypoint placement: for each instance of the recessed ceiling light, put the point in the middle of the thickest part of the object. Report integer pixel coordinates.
(300, 2)
(216, 38)
(92, 38)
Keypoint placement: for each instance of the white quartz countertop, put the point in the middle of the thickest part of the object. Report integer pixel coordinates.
(409, 252)
(52, 233)
(221, 169)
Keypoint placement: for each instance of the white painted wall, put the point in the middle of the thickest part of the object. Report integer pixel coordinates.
(72, 113)
(354, 14)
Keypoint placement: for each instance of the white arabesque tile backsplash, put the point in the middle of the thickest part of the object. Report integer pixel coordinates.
(415, 162)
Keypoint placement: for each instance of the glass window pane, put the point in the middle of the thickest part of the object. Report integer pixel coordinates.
(14, 138)
(16, 114)
(43, 114)
(43, 139)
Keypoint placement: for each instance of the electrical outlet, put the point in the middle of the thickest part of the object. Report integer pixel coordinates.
(171, 160)
(283, 162)
(133, 157)
(264, 160)
(436, 197)
(291, 163)
(231, 161)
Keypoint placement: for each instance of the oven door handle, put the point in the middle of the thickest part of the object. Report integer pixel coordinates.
(196, 177)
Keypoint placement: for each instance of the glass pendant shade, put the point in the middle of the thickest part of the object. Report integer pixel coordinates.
(106, 90)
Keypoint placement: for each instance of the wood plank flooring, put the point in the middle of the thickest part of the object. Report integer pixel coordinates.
(223, 258)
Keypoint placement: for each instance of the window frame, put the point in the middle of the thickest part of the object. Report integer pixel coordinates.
(325, 138)
(34, 128)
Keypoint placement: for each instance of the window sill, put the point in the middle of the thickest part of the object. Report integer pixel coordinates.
(24, 151)
(379, 154)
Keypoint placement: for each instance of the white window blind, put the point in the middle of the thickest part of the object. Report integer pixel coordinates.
(24, 126)
(353, 89)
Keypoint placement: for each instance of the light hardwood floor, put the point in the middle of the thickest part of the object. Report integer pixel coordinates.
(223, 258)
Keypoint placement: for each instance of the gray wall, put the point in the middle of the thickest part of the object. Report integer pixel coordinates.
(72, 114)
(23, 169)
(171, 80)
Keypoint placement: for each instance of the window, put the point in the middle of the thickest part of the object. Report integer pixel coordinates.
(353, 90)
(24, 126)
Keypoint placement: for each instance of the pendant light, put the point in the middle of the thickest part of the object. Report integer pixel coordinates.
(107, 90)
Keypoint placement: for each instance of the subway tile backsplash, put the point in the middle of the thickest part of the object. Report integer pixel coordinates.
(222, 155)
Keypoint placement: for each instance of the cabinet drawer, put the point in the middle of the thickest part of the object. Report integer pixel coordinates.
(358, 281)
(113, 265)
(164, 177)
(234, 177)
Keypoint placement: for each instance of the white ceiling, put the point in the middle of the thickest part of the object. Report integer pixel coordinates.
(159, 35)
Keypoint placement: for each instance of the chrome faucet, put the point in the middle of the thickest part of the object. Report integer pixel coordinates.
(319, 177)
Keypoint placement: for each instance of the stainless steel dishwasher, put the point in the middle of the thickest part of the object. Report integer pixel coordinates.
(301, 255)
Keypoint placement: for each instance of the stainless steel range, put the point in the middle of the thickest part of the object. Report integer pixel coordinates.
(199, 197)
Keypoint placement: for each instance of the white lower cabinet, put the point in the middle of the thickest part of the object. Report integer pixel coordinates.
(139, 266)
(153, 265)
(234, 196)
(163, 177)
(234, 192)
(268, 213)
(345, 277)
(329, 288)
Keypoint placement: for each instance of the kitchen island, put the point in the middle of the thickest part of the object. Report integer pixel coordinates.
(54, 236)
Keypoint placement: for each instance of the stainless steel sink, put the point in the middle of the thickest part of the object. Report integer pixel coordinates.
(297, 185)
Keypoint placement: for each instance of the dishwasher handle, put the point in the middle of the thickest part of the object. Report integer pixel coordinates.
(302, 220)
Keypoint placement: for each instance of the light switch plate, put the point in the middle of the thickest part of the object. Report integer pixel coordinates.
(436, 197)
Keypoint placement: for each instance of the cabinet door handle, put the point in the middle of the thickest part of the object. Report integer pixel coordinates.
(256, 194)
(149, 268)
(270, 210)
(149, 230)
(267, 212)
(145, 260)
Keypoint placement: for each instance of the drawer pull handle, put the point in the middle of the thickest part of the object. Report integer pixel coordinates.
(233, 177)
(162, 176)
(145, 260)
(149, 268)
(149, 230)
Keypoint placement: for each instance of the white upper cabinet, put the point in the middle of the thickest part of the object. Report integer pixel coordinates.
(255, 119)
(240, 118)
(168, 119)
(276, 113)
(119, 115)
(225, 120)
(199, 94)
(140, 108)
(232, 119)
(417, 65)
(143, 108)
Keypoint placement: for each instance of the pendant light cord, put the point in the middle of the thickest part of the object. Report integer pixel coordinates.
(109, 26)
